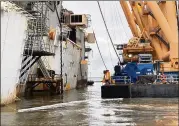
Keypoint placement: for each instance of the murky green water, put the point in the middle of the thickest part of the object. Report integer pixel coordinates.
(85, 107)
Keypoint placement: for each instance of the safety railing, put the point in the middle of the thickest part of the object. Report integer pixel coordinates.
(38, 28)
(37, 46)
(34, 77)
(167, 79)
(122, 79)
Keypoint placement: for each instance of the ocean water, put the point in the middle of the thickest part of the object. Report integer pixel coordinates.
(85, 107)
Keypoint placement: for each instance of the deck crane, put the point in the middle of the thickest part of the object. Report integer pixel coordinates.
(151, 55)
(154, 45)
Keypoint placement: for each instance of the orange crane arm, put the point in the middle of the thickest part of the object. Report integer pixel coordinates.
(168, 29)
(130, 18)
(158, 20)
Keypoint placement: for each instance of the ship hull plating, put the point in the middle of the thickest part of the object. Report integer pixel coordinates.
(13, 34)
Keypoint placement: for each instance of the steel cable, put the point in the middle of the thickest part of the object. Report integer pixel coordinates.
(110, 54)
(108, 31)
(120, 18)
(99, 50)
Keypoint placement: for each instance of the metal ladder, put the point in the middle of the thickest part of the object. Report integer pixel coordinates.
(35, 31)
(28, 59)
(43, 68)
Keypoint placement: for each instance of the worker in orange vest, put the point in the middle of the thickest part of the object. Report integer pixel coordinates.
(107, 77)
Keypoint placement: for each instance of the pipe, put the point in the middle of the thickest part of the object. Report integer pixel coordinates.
(177, 6)
(162, 21)
(155, 43)
(129, 18)
(143, 18)
(136, 14)
(171, 17)
(172, 21)
(164, 45)
(160, 48)
(162, 40)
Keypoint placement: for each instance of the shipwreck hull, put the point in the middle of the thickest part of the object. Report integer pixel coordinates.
(21, 59)
(13, 35)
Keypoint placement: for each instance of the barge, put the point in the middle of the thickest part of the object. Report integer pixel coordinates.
(139, 91)
(149, 66)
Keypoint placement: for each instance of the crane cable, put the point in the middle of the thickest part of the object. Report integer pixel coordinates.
(99, 50)
(120, 18)
(108, 31)
(110, 54)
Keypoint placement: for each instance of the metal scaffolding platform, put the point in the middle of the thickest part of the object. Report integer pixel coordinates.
(37, 53)
(54, 84)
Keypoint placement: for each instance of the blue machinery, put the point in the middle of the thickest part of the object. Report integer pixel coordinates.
(136, 80)
(132, 70)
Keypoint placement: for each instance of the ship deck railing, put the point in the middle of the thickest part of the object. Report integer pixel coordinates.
(127, 80)
(122, 79)
(78, 46)
(38, 48)
(169, 79)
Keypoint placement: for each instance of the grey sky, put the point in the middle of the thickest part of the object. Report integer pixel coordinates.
(118, 27)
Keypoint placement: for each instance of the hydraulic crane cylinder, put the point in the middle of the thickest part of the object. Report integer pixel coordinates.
(157, 47)
(163, 23)
(171, 17)
(166, 56)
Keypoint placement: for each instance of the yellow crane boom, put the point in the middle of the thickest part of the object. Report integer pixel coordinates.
(157, 23)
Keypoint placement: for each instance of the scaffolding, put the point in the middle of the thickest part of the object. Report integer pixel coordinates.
(36, 48)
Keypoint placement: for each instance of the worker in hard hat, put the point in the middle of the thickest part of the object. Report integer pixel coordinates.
(104, 72)
(117, 69)
(107, 77)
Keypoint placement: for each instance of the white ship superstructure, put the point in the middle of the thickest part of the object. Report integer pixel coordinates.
(13, 35)
(28, 47)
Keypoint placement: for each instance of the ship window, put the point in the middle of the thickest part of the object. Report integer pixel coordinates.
(76, 18)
